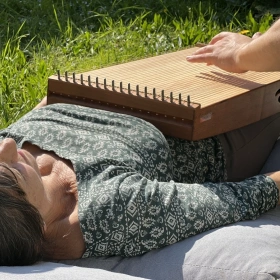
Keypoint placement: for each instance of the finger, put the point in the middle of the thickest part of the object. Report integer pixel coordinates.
(204, 50)
(219, 37)
(256, 35)
(204, 58)
(42, 103)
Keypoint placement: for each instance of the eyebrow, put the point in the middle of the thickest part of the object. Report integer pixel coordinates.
(11, 171)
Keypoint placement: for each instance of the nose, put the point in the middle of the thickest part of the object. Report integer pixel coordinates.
(8, 151)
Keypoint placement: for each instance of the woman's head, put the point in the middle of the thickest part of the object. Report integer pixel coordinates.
(25, 201)
(21, 196)
(25, 169)
(21, 225)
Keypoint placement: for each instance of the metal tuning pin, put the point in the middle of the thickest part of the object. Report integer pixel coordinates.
(154, 93)
(105, 84)
(162, 95)
(137, 90)
(74, 77)
(113, 85)
(171, 97)
(189, 100)
(89, 81)
(96, 82)
(82, 79)
(146, 92)
(128, 87)
(58, 74)
(121, 89)
(66, 76)
(180, 98)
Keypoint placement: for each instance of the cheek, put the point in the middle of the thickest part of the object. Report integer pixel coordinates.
(34, 197)
(34, 188)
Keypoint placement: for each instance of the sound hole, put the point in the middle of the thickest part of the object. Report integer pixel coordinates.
(278, 94)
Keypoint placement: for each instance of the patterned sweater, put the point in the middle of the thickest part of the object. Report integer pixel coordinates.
(139, 190)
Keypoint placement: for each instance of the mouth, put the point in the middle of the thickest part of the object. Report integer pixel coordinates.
(22, 154)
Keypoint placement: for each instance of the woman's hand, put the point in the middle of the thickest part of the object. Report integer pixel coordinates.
(234, 52)
(223, 52)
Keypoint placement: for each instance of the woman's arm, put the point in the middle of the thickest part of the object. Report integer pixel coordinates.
(141, 214)
(238, 53)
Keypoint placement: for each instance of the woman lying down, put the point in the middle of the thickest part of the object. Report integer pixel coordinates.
(79, 182)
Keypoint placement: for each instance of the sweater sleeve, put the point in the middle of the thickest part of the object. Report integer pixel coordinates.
(130, 215)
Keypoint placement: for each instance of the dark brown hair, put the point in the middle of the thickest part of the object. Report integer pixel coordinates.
(21, 225)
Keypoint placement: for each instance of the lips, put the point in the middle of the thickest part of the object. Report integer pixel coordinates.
(21, 153)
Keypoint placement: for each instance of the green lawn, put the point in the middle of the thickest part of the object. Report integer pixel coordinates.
(37, 37)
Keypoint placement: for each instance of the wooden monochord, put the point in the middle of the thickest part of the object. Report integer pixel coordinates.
(190, 101)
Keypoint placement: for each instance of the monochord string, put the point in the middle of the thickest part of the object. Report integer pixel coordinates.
(126, 90)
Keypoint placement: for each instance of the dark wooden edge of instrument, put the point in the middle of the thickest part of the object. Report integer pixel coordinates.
(225, 116)
(73, 90)
(167, 125)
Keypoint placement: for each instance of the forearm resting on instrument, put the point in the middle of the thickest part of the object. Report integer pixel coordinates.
(234, 52)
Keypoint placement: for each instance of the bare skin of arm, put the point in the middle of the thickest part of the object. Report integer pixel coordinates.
(238, 53)
(275, 176)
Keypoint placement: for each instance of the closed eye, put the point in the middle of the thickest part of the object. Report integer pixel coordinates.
(11, 171)
(18, 173)
(15, 171)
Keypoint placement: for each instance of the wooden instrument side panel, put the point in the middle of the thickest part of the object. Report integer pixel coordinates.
(180, 125)
(188, 123)
(236, 112)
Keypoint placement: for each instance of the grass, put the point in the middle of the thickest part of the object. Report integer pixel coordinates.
(37, 37)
